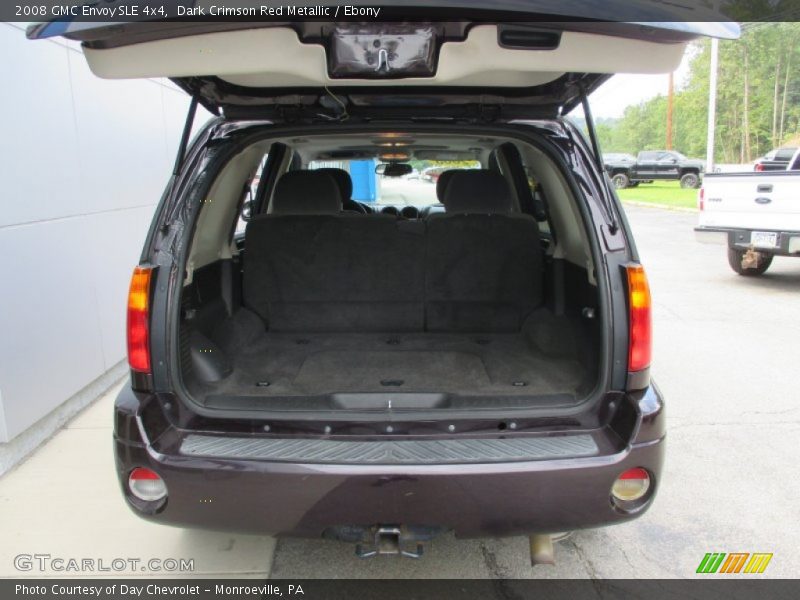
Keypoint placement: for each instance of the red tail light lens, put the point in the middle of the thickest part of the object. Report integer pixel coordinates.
(701, 196)
(138, 319)
(759, 167)
(639, 305)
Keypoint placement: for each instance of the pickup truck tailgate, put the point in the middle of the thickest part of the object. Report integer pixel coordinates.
(762, 201)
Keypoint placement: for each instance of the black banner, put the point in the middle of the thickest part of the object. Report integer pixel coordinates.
(101, 11)
(730, 588)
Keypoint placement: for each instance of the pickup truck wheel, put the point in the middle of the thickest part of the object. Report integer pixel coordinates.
(735, 261)
(620, 181)
(690, 180)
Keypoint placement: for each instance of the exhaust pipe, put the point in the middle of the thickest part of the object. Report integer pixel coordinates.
(542, 549)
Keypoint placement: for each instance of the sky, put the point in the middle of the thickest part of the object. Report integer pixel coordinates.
(621, 91)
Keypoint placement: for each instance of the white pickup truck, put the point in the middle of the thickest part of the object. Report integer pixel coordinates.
(756, 214)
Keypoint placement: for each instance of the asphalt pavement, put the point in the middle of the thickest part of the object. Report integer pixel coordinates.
(726, 357)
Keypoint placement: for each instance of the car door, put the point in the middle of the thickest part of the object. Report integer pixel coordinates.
(667, 166)
(646, 165)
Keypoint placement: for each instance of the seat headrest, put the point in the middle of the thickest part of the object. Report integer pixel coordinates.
(443, 182)
(477, 191)
(306, 193)
(343, 180)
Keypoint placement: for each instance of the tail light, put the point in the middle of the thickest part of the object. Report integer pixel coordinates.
(640, 322)
(138, 320)
(146, 485)
(701, 196)
(632, 485)
(760, 167)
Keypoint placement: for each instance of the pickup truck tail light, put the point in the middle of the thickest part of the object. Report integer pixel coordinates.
(138, 320)
(639, 319)
(701, 196)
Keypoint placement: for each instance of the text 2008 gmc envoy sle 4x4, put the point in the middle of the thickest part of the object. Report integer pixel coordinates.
(307, 363)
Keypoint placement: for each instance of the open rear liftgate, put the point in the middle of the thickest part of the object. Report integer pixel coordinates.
(400, 540)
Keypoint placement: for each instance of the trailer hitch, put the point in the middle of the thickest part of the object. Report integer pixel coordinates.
(751, 258)
(388, 540)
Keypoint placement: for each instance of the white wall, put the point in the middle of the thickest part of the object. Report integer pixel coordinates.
(83, 163)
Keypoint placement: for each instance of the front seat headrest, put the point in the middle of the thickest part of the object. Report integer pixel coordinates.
(342, 179)
(306, 193)
(477, 191)
(443, 182)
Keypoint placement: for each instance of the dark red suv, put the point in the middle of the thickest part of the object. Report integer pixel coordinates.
(305, 363)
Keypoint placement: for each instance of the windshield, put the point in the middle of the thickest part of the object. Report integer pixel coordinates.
(418, 188)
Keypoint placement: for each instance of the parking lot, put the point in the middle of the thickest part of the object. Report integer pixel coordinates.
(726, 359)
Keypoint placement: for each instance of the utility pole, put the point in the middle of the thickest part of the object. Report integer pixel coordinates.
(712, 101)
(670, 101)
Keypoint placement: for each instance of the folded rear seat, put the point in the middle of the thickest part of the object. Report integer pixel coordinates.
(484, 264)
(309, 267)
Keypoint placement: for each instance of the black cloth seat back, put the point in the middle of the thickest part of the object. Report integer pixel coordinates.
(443, 182)
(339, 273)
(345, 185)
(479, 270)
(484, 264)
(306, 193)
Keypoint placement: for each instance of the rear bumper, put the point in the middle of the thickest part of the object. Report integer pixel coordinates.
(255, 495)
(705, 235)
(788, 241)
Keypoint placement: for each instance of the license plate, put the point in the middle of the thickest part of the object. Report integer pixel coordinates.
(764, 239)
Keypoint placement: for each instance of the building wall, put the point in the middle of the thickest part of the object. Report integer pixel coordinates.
(84, 162)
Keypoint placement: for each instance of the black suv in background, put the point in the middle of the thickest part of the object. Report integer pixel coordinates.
(651, 165)
(300, 366)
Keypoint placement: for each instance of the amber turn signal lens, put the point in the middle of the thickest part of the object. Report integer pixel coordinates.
(640, 321)
(138, 320)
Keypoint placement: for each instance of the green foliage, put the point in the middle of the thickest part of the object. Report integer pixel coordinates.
(758, 105)
(421, 165)
(661, 193)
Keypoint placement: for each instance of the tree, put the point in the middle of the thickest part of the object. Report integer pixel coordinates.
(758, 98)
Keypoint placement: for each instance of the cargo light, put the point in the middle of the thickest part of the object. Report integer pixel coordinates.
(631, 485)
(639, 318)
(138, 319)
(146, 485)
